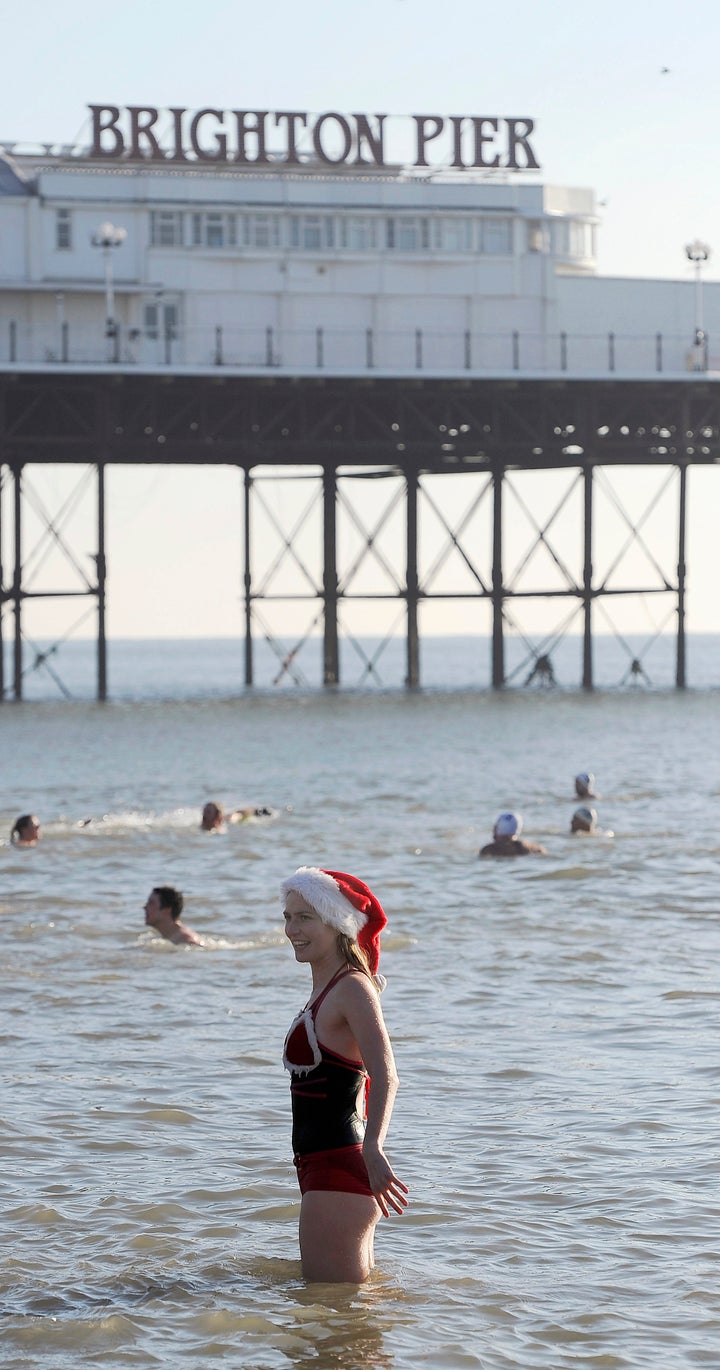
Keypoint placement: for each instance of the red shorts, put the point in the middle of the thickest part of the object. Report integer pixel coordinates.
(342, 1169)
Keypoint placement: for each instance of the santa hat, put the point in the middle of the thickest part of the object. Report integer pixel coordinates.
(343, 902)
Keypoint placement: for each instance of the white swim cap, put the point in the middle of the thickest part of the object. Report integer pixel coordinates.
(508, 825)
(584, 819)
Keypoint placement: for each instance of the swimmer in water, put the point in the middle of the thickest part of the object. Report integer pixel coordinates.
(507, 840)
(162, 913)
(585, 785)
(338, 1054)
(584, 821)
(214, 819)
(26, 831)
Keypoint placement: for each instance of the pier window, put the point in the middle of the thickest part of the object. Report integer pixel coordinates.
(581, 239)
(561, 238)
(408, 234)
(357, 233)
(214, 230)
(261, 230)
(537, 236)
(160, 320)
(166, 228)
(63, 229)
(312, 232)
(453, 235)
(573, 238)
(496, 237)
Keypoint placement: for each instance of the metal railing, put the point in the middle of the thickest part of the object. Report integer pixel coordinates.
(354, 351)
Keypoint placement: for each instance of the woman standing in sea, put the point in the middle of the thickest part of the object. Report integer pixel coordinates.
(335, 1047)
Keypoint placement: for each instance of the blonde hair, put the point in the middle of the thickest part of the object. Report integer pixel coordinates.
(353, 954)
(357, 960)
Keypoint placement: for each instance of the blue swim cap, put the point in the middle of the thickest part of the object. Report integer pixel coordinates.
(508, 825)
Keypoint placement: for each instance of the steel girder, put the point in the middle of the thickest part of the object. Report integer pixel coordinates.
(409, 424)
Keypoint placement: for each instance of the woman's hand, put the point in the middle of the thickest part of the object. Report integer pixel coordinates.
(389, 1191)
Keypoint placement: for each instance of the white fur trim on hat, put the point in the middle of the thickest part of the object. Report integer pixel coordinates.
(323, 894)
(508, 825)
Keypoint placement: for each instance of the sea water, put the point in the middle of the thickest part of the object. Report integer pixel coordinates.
(555, 1023)
(215, 668)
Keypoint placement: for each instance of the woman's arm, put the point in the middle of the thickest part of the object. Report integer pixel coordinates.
(364, 1018)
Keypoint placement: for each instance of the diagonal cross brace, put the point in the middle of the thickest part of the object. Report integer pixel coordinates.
(547, 644)
(52, 532)
(369, 538)
(635, 530)
(371, 661)
(287, 541)
(541, 538)
(453, 538)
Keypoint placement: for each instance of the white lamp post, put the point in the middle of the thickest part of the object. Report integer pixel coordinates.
(698, 253)
(107, 236)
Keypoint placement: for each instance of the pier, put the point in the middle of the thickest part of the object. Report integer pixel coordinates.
(340, 431)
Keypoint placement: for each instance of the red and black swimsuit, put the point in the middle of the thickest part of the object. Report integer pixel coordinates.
(326, 1088)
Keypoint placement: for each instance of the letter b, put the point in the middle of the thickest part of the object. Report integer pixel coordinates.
(101, 126)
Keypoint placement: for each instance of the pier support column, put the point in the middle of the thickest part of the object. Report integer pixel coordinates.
(682, 523)
(498, 645)
(101, 578)
(17, 584)
(247, 580)
(331, 659)
(412, 679)
(587, 671)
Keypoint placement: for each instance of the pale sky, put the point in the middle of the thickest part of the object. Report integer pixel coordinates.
(608, 116)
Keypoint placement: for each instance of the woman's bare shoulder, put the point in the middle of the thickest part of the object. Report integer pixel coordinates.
(356, 990)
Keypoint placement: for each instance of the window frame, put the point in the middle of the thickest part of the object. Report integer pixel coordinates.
(489, 248)
(163, 219)
(303, 225)
(63, 229)
(213, 229)
(398, 228)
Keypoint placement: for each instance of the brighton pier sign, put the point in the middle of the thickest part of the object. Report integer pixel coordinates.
(260, 137)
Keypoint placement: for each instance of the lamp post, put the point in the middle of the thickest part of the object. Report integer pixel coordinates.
(107, 236)
(698, 253)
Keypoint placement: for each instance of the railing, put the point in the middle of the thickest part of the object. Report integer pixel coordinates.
(355, 351)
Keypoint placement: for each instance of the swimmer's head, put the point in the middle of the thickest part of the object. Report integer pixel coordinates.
(583, 820)
(212, 816)
(25, 830)
(170, 899)
(584, 785)
(508, 825)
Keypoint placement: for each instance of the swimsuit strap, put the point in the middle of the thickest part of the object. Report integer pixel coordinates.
(314, 1006)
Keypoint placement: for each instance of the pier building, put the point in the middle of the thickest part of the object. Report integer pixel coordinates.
(314, 310)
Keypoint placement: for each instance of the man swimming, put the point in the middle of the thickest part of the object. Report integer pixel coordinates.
(162, 913)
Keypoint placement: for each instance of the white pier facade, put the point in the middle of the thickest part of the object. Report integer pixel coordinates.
(308, 268)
